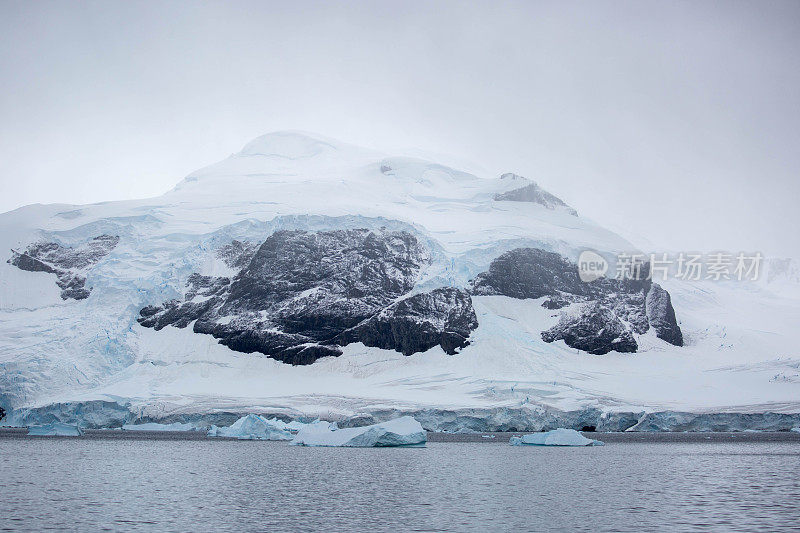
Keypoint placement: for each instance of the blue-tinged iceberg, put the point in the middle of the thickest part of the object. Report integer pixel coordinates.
(56, 429)
(403, 431)
(556, 437)
(252, 427)
(154, 426)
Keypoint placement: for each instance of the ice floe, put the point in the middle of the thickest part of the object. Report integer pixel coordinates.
(556, 437)
(403, 431)
(57, 429)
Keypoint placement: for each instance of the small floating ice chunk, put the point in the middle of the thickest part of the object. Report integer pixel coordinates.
(252, 427)
(403, 431)
(56, 429)
(154, 426)
(556, 437)
(796, 430)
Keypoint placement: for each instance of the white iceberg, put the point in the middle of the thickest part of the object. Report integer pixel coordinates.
(154, 426)
(252, 427)
(796, 430)
(56, 429)
(403, 431)
(556, 437)
(296, 425)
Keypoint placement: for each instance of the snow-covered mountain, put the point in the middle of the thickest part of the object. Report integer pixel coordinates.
(306, 277)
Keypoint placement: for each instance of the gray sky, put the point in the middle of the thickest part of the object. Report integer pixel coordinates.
(676, 121)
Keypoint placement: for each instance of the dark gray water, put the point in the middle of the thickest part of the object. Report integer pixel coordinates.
(158, 482)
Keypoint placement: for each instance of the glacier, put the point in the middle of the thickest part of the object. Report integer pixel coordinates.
(144, 311)
(403, 431)
(555, 437)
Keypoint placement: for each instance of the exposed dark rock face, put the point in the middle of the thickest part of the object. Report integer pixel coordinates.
(68, 264)
(531, 193)
(301, 295)
(318, 284)
(237, 254)
(596, 330)
(442, 317)
(531, 273)
(661, 315)
(2, 413)
(608, 311)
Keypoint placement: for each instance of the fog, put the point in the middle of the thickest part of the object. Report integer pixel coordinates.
(675, 123)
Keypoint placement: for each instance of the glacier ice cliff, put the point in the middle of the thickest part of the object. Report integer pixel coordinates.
(533, 418)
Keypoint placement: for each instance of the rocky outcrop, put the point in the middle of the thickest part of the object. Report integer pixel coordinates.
(443, 317)
(531, 193)
(68, 264)
(661, 315)
(596, 329)
(530, 273)
(237, 254)
(599, 316)
(302, 295)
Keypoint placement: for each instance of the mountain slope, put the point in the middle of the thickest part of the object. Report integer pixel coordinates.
(391, 282)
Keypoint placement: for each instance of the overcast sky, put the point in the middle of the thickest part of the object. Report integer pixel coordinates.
(678, 122)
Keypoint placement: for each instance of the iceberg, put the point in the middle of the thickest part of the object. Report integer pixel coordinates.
(296, 425)
(252, 427)
(403, 431)
(56, 429)
(556, 437)
(154, 426)
(796, 430)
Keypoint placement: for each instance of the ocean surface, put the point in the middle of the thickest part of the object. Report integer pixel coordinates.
(121, 481)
